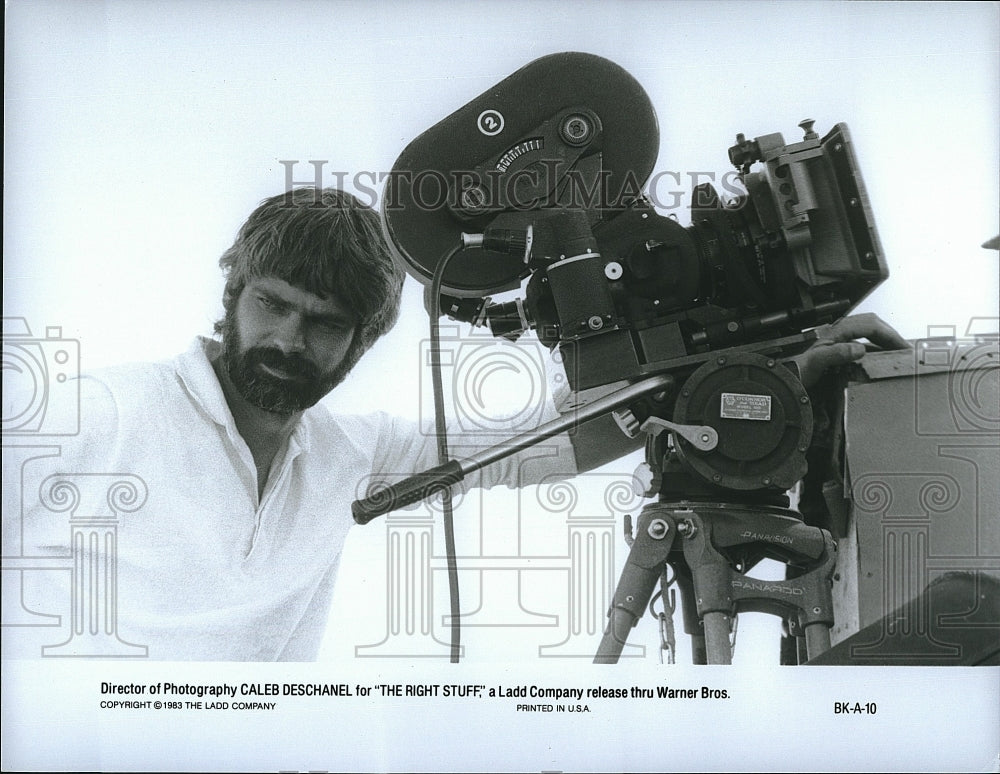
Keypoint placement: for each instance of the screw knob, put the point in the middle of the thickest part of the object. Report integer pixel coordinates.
(626, 422)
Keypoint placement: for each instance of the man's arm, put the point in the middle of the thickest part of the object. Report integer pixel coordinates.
(601, 441)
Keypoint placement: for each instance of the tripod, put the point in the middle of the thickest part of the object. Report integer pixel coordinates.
(707, 544)
(695, 527)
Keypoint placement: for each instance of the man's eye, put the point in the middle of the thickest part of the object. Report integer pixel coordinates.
(333, 326)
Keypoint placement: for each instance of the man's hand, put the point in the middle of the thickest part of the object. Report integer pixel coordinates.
(836, 345)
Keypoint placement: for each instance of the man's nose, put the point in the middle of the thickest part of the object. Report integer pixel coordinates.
(290, 335)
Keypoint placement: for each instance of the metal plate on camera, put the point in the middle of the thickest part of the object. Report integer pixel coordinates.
(737, 405)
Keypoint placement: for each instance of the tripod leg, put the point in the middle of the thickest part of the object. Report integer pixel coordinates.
(817, 639)
(789, 649)
(642, 571)
(620, 623)
(693, 626)
(717, 630)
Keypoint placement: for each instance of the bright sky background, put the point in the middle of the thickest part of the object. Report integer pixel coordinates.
(139, 135)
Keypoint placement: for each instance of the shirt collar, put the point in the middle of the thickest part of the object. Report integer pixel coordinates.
(194, 367)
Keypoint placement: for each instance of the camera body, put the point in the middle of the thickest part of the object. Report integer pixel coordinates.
(548, 169)
(41, 387)
(559, 153)
(797, 250)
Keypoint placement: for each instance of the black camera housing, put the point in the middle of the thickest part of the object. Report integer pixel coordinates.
(548, 170)
(561, 150)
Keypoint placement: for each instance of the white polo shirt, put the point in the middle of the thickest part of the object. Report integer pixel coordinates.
(205, 570)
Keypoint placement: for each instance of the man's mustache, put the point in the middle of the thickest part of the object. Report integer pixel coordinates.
(296, 366)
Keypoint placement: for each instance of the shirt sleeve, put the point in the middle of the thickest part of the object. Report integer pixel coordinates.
(405, 448)
(41, 468)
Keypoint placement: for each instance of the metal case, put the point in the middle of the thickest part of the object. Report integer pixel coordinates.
(919, 567)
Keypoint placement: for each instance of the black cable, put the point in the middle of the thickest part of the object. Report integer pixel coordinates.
(442, 438)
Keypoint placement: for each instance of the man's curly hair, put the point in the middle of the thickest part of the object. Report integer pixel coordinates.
(324, 241)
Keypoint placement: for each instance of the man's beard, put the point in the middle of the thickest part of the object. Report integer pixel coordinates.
(302, 387)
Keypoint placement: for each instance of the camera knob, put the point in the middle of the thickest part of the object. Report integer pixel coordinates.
(576, 129)
(644, 481)
(806, 125)
(744, 153)
(626, 422)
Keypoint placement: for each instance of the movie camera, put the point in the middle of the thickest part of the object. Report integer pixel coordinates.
(685, 333)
